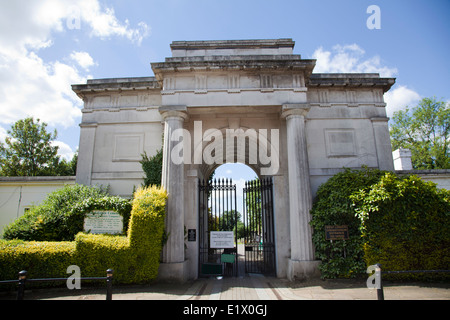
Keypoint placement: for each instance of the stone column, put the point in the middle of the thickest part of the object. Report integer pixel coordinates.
(173, 266)
(301, 264)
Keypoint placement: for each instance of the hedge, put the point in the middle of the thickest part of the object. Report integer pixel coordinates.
(134, 258)
(405, 226)
(61, 215)
(41, 259)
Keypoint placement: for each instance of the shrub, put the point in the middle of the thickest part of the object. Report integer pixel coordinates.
(152, 167)
(40, 259)
(405, 225)
(97, 252)
(61, 215)
(333, 206)
(134, 258)
(146, 230)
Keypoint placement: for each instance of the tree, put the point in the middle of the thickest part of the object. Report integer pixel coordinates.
(28, 151)
(425, 130)
(229, 220)
(152, 167)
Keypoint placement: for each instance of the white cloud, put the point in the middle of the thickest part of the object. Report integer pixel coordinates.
(105, 24)
(400, 97)
(64, 150)
(349, 59)
(30, 86)
(83, 59)
(30, 23)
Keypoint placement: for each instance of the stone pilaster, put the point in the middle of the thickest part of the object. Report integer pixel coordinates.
(383, 143)
(86, 153)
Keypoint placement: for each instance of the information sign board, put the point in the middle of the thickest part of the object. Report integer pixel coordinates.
(221, 239)
(110, 222)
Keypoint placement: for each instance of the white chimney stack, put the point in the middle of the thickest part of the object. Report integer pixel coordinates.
(402, 159)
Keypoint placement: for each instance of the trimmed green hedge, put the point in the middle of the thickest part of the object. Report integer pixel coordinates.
(134, 258)
(42, 259)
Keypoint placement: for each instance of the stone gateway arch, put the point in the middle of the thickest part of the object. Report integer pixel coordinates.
(249, 101)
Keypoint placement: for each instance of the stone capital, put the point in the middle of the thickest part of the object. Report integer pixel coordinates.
(174, 112)
(381, 120)
(292, 110)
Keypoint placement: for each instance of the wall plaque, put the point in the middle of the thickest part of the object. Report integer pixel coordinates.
(336, 232)
(192, 234)
(109, 222)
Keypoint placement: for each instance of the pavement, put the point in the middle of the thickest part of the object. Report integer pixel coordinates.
(248, 287)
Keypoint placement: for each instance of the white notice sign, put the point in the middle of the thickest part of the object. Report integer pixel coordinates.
(109, 222)
(221, 239)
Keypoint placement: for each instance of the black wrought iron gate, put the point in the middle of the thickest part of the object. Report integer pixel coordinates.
(217, 214)
(259, 227)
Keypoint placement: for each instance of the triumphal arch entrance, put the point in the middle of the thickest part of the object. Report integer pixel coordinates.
(247, 101)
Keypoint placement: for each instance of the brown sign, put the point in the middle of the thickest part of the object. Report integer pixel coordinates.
(336, 232)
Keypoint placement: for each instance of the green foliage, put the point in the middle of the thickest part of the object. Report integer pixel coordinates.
(40, 259)
(425, 130)
(333, 206)
(405, 225)
(61, 215)
(97, 252)
(152, 167)
(134, 258)
(402, 223)
(28, 151)
(146, 232)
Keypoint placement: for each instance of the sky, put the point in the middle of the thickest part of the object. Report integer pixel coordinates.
(48, 45)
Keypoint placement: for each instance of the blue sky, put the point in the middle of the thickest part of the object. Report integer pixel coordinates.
(43, 49)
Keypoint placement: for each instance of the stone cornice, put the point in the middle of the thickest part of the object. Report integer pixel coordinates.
(242, 63)
(354, 80)
(116, 84)
(224, 44)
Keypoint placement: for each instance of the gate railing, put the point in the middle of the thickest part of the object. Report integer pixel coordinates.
(217, 212)
(259, 226)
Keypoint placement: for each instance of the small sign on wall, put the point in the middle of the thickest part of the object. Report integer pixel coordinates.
(192, 235)
(221, 239)
(336, 232)
(100, 222)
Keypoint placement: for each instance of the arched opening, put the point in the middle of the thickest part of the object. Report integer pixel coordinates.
(234, 203)
(239, 173)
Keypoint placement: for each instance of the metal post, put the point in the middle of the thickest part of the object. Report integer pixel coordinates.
(22, 280)
(380, 293)
(109, 277)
